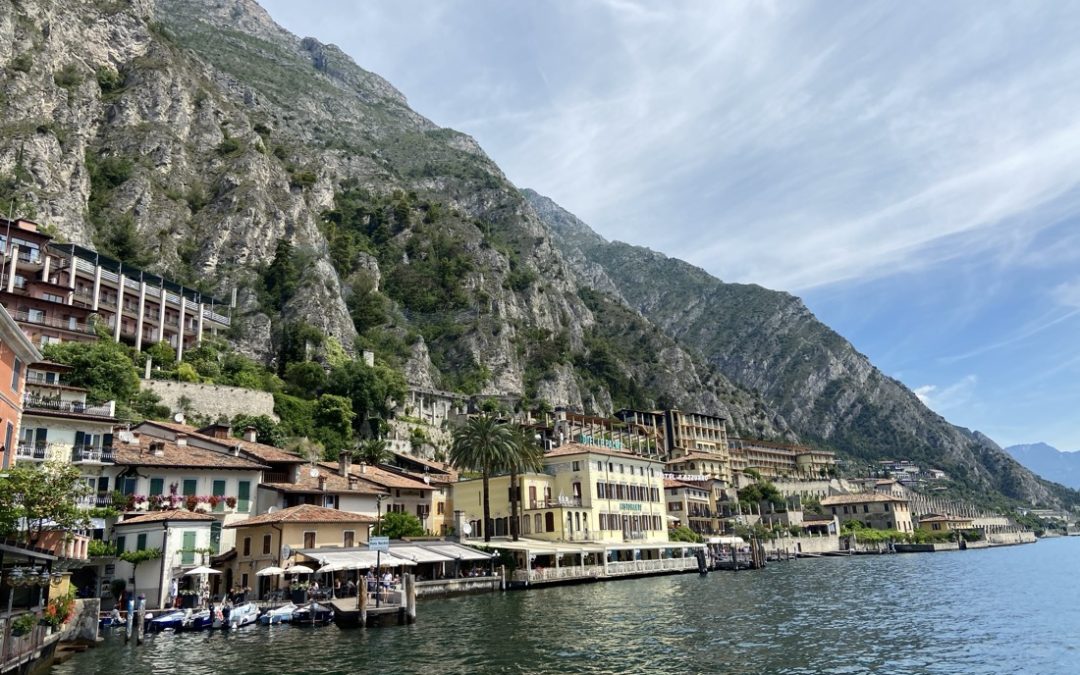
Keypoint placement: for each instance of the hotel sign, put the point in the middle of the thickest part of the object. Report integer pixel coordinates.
(624, 506)
(585, 439)
(686, 476)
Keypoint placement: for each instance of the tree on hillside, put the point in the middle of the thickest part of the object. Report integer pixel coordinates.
(332, 424)
(104, 368)
(525, 456)
(36, 499)
(372, 391)
(762, 491)
(483, 444)
(282, 276)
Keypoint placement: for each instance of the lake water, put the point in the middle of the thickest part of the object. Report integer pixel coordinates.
(1002, 610)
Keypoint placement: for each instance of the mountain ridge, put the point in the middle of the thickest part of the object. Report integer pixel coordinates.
(1047, 461)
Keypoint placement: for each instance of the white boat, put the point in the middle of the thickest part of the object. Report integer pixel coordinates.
(281, 614)
(242, 615)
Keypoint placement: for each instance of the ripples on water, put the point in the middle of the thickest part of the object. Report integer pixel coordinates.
(991, 611)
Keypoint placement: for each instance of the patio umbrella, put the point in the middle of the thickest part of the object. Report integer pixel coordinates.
(201, 569)
(299, 569)
(269, 572)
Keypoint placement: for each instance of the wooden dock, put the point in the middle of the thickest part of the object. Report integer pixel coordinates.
(392, 608)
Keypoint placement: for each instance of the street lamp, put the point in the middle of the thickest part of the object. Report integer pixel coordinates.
(378, 509)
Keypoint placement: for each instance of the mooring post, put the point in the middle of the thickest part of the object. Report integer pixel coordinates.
(410, 598)
(140, 626)
(362, 601)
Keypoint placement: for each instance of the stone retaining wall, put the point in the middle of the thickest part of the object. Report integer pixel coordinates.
(213, 400)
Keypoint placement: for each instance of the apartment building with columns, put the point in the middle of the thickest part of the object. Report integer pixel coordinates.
(51, 290)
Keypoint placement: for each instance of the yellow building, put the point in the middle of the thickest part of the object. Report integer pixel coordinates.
(261, 541)
(688, 505)
(876, 510)
(586, 493)
(936, 522)
(780, 460)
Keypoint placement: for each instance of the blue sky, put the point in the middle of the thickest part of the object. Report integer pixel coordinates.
(912, 170)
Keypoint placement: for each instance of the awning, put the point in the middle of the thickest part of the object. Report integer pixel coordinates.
(729, 541)
(537, 547)
(420, 555)
(653, 545)
(355, 559)
(456, 551)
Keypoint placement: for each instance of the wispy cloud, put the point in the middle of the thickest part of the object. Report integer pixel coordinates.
(942, 399)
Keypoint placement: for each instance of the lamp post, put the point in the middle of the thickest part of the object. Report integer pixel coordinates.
(378, 510)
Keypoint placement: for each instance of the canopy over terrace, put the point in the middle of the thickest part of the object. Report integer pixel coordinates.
(353, 558)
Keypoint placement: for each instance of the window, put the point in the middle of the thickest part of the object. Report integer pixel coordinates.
(187, 556)
(243, 496)
(140, 542)
(157, 486)
(575, 466)
(577, 490)
(120, 541)
(622, 469)
(538, 523)
(347, 539)
(129, 486)
(549, 522)
(190, 486)
(599, 466)
(309, 540)
(219, 491)
(526, 525)
(440, 508)
(244, 580)
(247, 546)
(266, 543)
(866, 508)
(16, 370)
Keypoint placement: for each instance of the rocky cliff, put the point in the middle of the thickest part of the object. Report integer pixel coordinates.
(190, 137)
(769, 342)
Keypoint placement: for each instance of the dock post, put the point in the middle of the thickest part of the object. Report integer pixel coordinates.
(362, 602)
(140, 626)
(502, 577)
(410, 598)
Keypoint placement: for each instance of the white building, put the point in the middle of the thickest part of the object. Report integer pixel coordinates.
(179, 535)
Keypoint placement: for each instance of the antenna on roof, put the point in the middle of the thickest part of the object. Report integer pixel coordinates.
(178, 418)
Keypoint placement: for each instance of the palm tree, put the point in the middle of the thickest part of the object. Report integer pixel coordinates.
(483, 444)
(373, 451)
(526, 456)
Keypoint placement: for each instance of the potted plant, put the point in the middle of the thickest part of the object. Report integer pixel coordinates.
(23, 625)
(230, 502)
(191, 502)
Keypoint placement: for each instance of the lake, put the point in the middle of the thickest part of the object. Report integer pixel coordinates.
(1002, 610)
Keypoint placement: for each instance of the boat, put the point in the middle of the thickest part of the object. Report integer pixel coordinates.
(170, 620)
(241, 615)
(283, 614)
(313, 614)
(199, 620)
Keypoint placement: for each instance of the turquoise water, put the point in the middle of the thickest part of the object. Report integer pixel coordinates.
(1001, 610)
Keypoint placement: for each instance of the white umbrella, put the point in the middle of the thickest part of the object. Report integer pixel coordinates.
(269, 572)
(299, 569)
(202, 569)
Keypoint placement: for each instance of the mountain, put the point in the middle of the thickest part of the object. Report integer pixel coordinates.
(1049, 462)
(198, 139)
(769, 342)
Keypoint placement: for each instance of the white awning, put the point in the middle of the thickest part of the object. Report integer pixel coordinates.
(456, 551)
(355, 559)
(420, 555)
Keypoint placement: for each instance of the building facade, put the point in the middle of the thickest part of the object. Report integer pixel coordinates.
(16, 353)
(179, 535)
(877, 510)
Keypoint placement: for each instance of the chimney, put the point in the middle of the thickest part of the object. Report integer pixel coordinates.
(322, 483)
(221, 431)
(353, 480)
(181, 439)
(344, 463)
(250, 434)
(363, 467)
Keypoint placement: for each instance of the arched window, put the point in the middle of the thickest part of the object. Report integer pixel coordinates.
(549, 522)
(526, 523)
(539, 523)
(569, 522)
(577, 522)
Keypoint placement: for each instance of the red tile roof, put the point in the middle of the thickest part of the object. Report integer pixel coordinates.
(261, 452)
(305, 513)
(162, 516)
(378, 476)
(189, 456)
(335, 484)
(578, 449)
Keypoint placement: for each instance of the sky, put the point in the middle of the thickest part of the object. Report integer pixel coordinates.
(911, 170)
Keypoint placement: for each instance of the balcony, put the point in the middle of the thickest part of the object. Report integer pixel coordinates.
(554, 503)
(38, 452)
(62, 324)
(99, 500)
(92, 454)
(54, 405)
(42, 378)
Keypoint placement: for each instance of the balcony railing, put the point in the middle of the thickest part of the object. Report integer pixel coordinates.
(35, 451)
(41, 378)
(53, 405)
(99, 500)
(42, 320)
(90, 453)
(554, 503)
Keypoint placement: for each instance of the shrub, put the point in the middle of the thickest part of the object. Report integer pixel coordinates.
(68, 77)
(22, 63)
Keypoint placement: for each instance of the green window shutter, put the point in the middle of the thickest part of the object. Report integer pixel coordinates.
(157, 486)
(187, 557)
(120, 541)
(219, 491)
(140, 543)
(190, 486)
(215, 537)
(243, 496)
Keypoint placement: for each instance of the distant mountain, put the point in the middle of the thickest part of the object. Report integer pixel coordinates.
(1049, 462)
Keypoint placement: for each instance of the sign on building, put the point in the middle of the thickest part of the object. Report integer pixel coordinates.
(379, 544)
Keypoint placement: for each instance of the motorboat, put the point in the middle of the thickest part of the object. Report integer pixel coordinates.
(283, 614)
(169, 620)
(313, 614)
(242, 615)
(199, 620)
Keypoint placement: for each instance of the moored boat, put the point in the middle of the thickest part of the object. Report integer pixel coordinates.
(313, 614)
(283, 614)
(170, 620)
(242, 615)
(200, 620)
